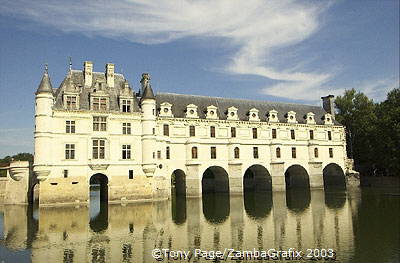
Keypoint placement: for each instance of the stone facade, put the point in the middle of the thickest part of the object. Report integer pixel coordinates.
(95, 123)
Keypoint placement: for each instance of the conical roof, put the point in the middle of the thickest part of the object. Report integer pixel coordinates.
(148, 93)
(45, 85)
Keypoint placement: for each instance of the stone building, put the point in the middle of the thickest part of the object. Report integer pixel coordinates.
(95, 128)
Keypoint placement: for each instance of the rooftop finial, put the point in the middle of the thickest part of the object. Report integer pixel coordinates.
(46, 68)
(70, 63)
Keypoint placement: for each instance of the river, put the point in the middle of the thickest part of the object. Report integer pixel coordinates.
(360, 225)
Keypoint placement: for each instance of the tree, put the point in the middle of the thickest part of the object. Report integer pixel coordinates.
(388, 133)
(357, 112)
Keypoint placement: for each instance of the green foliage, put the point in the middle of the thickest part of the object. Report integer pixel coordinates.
(18, 157)
(372, 130)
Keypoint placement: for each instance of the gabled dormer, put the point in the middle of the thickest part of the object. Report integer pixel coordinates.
(327, 119)
(126, 98)
(232, 113)
(273, 116)
(71, 94)
(191, 111)
(211, 112)
(99, 99)
(291, 117)
(166, 110)
(310, 118)
(253, 115)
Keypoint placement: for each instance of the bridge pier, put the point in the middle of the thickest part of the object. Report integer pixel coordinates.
(235, 179)
(193, 181)
(315, 175)
(278, 176)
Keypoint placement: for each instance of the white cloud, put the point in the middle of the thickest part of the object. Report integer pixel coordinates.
(256, 28)
(379, 88)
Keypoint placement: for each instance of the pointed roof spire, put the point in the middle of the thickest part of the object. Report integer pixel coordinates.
(70, 63)
(146, 87)
(45, 84)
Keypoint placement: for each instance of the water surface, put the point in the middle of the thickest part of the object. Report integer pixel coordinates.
(359, 225)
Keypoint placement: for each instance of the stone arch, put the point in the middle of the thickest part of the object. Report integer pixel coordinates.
(178, 182)
(178, 196)
(296, 176)
(34, 194)
(257, 178)
(215, 180)
(98, 186)
(334, 177)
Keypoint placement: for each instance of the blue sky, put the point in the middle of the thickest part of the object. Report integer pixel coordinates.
(284, 50)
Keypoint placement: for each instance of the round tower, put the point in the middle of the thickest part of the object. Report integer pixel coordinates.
(43, 113)
(148, 105)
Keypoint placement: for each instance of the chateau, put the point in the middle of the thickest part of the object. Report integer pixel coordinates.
(97, 128)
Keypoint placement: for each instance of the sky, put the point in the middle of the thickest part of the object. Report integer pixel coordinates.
(289, 51)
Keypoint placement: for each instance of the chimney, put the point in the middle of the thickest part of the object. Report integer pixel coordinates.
(88, 73)
(110, 75)
(328, 104)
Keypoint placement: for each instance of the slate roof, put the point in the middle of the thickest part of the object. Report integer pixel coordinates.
(84, 92)
(180, 101)
(45, 84)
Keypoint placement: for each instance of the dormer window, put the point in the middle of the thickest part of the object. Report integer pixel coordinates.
(232, 113)
(191, 111)
(310, 118)
(166, 109)
(253, 115)
(328, 119)
(99, 103)
(70, 102)
(291, 117)
(126, 105)
(273, 116)
(212, 112)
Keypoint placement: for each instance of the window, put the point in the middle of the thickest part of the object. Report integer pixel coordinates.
(236, 153)
(212, 131)
(255, 152)
(99, 149)
(167, 153)
(278, 152)
(158, 154)
(130, 174)
(126, 105)
(330, 152)
(65, 172)
(292, 134)
(293, 152)
(233, 132)
(330, 135)
(213, 152)
(126, 128)
(273, 133)
(316, 152)
(99, 104)
(70, 102)
(70, 151)
(99, 123)
(126, 151)
(192, 131)
(194, 152)
(70, 126)
(254, 133)
(166, 130)
(311, 135)
(154, 131)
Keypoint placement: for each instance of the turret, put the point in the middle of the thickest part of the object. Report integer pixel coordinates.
(148, 105)
(43, 123)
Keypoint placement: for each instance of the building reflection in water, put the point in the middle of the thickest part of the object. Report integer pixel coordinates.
(127, 233)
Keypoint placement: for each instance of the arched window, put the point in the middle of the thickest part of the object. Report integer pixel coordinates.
(236, 152)
(316, 152)
(194, 152)
(278, 152)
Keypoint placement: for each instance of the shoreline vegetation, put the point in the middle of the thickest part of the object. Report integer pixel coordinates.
(372, 136)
